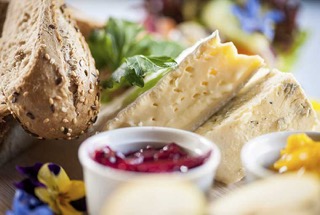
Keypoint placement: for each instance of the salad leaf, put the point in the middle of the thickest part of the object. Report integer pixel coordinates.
(166, 48)
(119, 39)
(137, 91)
(136, 68)
(125, 54)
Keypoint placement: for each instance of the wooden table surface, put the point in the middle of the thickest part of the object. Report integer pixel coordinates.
(65, 154)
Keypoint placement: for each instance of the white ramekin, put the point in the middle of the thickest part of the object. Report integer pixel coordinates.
(260, 153)
(101, 180)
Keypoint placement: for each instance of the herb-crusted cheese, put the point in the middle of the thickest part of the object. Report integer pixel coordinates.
(275, 103)
(207, 77)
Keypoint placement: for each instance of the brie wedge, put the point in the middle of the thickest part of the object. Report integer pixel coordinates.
(209, 74)
(275, 103)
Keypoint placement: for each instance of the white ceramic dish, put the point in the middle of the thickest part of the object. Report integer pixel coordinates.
(100, 180)
(261, 152)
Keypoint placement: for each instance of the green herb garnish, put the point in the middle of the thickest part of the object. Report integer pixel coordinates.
(119, 39)
(126, 54)
(136, 68)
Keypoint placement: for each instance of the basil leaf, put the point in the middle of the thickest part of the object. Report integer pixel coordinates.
(119, 39)
(165, 48)
(136, 68)
(120, 49)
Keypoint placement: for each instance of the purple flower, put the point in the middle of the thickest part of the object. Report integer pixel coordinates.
(54, 168)
(28, 185)
(252, 19)
(30, 171)
(31, 182)
(26, 204)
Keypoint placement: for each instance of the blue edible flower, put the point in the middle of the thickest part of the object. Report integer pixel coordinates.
(26, 204)
(252, 19)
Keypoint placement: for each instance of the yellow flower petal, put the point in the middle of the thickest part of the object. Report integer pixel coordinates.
(67, 209)
(58, 182)
(76, 190)
(50, 198)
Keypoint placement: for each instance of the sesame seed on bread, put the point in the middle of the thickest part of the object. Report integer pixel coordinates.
(48, 76)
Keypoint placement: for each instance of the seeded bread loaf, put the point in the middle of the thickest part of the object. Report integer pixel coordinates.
(48, 76)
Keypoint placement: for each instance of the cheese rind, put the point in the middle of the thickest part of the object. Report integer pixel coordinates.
(275, 103)
(208, 76)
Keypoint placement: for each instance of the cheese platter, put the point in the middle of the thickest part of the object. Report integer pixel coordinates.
(211, 89)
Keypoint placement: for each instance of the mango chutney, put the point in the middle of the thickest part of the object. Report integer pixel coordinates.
(300, 154)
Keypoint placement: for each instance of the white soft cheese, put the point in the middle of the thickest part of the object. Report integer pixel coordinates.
(208, 76)
(275, 103)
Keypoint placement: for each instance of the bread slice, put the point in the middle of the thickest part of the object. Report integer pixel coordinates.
(277, 195)
(48, 76)
(275, 103)
(208, 76)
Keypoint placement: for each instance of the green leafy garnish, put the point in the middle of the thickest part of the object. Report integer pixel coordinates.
(119, 39)
(122, 51)
(136, 68)
(137, 91)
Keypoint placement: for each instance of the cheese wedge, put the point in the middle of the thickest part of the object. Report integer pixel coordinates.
(275, 103)
(208, 76)
(277, 195)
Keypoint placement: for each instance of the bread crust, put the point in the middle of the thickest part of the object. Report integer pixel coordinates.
(50, 82)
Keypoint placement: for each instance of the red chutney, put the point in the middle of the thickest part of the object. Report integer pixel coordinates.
(169, 158)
